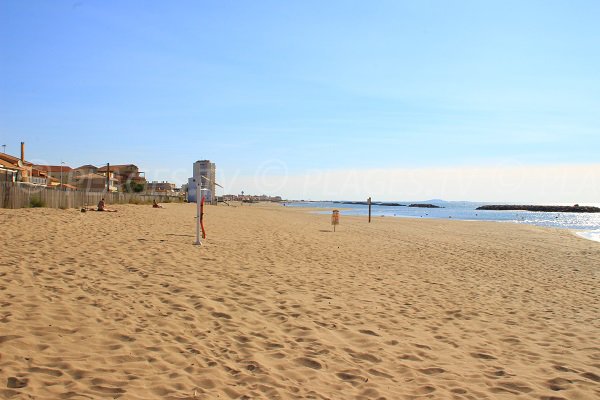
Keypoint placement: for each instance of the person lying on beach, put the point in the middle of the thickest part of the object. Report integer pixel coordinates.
(155, 204)
(102, 206)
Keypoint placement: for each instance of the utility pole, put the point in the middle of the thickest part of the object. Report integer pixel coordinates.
(62, 195)
(107, 177)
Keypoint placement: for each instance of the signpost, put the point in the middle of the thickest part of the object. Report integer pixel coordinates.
(335, 218)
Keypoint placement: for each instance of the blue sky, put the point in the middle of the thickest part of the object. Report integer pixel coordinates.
(288, 88)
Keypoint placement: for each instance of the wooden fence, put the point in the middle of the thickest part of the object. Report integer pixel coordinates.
(18, 195)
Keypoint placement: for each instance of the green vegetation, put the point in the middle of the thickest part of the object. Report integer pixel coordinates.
(132, 187)
(35, 202)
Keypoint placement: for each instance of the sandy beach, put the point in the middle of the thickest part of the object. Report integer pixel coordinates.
(275, 305)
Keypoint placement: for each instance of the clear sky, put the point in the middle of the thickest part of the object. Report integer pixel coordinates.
(278, 91)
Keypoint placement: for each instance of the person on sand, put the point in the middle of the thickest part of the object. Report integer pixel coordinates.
(102, 206)
(155, 204)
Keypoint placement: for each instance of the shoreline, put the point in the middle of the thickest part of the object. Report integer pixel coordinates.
(588, 234)
(591, 234)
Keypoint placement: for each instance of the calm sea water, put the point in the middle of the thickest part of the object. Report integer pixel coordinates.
(587, 223)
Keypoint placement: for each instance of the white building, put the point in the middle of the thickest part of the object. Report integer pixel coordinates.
(204, 173)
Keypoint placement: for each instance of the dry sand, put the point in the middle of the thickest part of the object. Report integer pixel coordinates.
(275, 305)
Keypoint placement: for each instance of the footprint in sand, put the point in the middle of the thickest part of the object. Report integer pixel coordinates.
(422, 346)
(368, 332)
(47, 371)
(432, 371)
(221, 315)
(511, 387)
(345, 376)
(308, 362)
(6, 338)
(410, 357)
(271, 345)
(252, 366)
(557, 384)
(242, 339)
(562, 368)
(483, 356)
(425, 390)
(108, 390)
(591, 376)
(366, 357)
(124, 338)
(16, 383)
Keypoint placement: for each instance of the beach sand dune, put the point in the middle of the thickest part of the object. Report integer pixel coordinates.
(276, 306)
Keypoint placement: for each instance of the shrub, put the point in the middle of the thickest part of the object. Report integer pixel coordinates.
(36, 202)
(132, 187)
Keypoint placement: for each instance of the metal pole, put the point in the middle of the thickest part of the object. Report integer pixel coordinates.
(369, 201)
(198, 194)
(107, 177)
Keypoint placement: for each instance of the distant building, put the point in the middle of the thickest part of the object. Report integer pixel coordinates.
(13, 169)
(85, 169)
(87, 178)
(205, 174)
(252, 198)
(92, 182)
(161, 187)
(9, 172)
(39, 177)
(125, 174)
(62, 173)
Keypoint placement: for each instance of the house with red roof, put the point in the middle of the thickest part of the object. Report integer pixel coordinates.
(62, 173)
(14, 169)
(125, 174)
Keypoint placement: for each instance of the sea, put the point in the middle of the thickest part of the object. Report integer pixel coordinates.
(586, 225)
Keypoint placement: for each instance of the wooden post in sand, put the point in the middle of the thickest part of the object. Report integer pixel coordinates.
(369, 201)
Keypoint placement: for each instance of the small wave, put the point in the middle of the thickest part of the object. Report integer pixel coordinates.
(591, 235)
